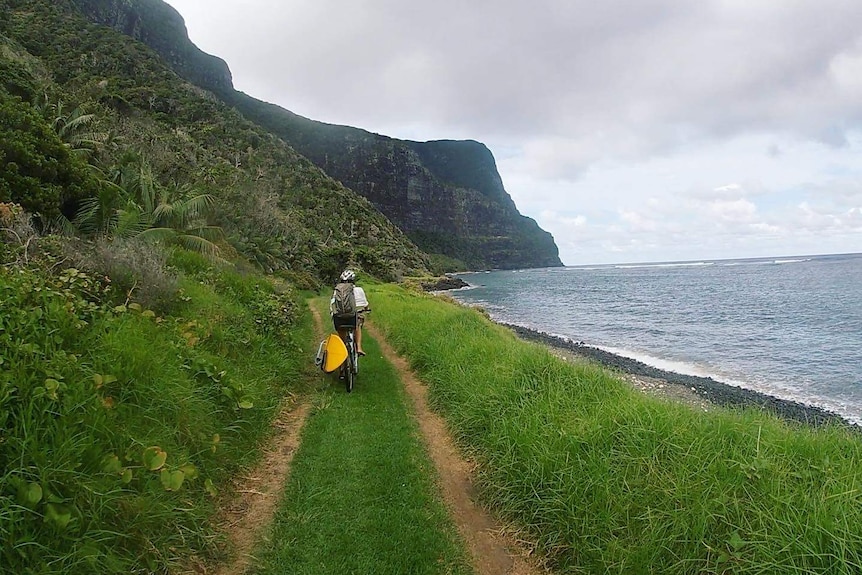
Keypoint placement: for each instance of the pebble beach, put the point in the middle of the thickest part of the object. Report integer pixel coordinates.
(701, 392)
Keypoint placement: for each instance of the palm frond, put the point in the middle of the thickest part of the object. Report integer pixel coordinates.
(75, 121)
(64, 226)
(147, 189)
(211, 233)
(158, 234)
(86, 218)
(199, 205)
(131, 222)
(198, 244)
(165, 212)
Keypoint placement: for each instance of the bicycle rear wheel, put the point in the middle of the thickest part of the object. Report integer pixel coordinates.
(349, 373)
(349, 366)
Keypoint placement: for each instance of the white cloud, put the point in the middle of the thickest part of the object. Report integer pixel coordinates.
(846, 71)
(559, 219)
(729, 189)
(733, 211)
(637, 222)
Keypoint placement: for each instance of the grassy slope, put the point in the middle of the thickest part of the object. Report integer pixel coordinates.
(85, 389)
(612, 481)
(362, 496)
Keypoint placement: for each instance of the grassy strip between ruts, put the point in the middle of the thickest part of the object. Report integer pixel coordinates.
(611, 481)
(362, 496)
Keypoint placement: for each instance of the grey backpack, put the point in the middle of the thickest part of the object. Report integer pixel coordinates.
(344, 302)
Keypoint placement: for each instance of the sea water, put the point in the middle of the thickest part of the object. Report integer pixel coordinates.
(790, 327)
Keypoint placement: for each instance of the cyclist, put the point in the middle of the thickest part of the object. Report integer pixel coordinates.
(361, 307)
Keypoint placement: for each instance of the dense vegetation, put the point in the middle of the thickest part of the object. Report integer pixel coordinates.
(611, 481)
(120, 424)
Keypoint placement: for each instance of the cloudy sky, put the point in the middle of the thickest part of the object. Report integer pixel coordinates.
(632, 130)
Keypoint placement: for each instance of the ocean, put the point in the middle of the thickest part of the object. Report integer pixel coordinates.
(789, 327)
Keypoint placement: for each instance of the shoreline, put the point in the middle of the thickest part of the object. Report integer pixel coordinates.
(697, 389)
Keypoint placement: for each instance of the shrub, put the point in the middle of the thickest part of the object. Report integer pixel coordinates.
(137, 269)
(302, 280)
(16, 232)
(36, 168)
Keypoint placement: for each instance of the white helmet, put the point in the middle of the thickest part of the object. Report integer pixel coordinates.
(348, 276)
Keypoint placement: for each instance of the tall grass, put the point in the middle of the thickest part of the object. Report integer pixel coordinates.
(118, 427)
(609, 480)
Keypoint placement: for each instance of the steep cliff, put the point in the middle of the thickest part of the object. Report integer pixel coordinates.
(162, 28)
(447, 196)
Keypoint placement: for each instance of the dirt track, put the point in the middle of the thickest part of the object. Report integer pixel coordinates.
(245, 519)
(249, 514)
(492, 548)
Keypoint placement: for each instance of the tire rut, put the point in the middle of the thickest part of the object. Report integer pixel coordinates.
(250, 513)
(494, 551)
(245, 519)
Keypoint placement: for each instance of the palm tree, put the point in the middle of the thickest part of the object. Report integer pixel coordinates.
(177, 215)
(72, 127)
(132, 204)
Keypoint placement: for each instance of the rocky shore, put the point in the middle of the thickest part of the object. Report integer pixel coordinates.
(444, 283)
(706, 389)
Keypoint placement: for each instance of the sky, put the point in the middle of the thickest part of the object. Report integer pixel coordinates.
(632, 130)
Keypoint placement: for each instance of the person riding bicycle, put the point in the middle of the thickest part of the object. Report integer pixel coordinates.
(342, 317)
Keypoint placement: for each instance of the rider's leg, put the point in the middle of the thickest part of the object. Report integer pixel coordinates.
(359, 341)
(360, 321)
(342, 333)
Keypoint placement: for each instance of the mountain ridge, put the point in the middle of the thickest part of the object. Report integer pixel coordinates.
(446, 195)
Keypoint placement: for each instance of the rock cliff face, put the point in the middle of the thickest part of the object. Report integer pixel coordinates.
(160, 26)
(447, 196)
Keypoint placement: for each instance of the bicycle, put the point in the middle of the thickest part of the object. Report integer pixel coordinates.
(348, 326)
(350, 368)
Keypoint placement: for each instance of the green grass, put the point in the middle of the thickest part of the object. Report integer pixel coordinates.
(611, 481)
(91, 395)
(362, 496)
(605, 479)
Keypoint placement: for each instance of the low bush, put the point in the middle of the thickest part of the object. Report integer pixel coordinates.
(137, 269)
(16, 233)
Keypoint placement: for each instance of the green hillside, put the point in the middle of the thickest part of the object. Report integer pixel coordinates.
(275, 207)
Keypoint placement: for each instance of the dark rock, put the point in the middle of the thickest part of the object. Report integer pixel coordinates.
(447, 196)
(444, 283)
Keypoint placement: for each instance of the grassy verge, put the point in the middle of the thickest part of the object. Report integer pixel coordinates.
(119, 426)
(362, 497)
(611, 481)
